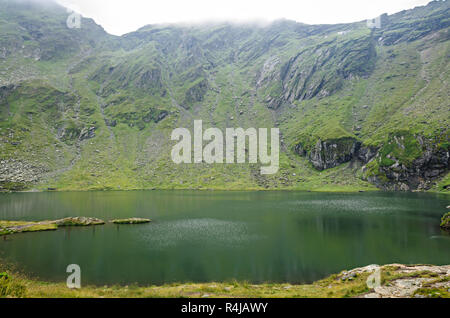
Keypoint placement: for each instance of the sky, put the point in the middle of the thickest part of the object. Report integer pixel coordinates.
(123, 16)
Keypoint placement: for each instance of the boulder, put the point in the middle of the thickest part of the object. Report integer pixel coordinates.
(79, 221)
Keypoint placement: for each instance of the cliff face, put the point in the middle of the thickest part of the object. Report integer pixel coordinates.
(81, 109)
(389, 167)
(432, 165)
(332, 153)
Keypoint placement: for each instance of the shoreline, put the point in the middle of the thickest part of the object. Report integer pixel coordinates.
(325, 190)
(396, 281)
(319, 190)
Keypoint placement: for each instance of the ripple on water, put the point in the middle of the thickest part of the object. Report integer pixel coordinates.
(349, 205)
(207, 232)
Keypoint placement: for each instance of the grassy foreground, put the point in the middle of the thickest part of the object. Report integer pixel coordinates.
(396, 281)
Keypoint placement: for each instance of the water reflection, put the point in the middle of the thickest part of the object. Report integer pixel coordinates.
(214, 236)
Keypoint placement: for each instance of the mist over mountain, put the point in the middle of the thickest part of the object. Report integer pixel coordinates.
(357, 107)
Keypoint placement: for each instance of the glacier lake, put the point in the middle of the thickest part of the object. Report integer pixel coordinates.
(205, 236)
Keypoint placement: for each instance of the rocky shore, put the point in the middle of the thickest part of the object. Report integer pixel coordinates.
(407, 281)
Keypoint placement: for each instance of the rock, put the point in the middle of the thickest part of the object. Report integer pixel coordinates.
(412, 280)
(431, 162)
(372, 295)
(161, 116)
(348, 276)
(87, 133)
(155, 115)
(394, 174)
(150, 80)
(445, 224)
(12, 227)
(131, 221)
(79, 221)
(331, 153)
(196, 93)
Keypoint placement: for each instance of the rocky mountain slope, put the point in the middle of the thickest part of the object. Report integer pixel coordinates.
(358, 108)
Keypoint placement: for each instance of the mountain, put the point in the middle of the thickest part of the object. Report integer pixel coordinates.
(357, 107)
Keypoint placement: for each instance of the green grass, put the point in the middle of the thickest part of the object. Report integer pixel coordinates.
(13, 227)
(19, 285)
(401, 146)
(443, 186)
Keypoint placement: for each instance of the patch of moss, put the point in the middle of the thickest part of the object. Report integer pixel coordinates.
(11, 227)
(401, 146)
(40, 228)
(79, 221)
(13, 186)
(433, 292)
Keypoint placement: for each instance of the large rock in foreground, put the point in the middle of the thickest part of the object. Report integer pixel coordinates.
(402, 281)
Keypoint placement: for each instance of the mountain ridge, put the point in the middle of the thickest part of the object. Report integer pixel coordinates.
(357, 107)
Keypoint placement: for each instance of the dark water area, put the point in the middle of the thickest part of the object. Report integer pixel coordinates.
(197, 236)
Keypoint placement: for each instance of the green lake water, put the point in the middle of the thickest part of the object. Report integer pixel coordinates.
(197, 236)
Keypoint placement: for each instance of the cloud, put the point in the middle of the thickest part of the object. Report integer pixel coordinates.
(122, 16)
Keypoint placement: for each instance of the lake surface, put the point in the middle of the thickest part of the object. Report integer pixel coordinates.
(196, 236)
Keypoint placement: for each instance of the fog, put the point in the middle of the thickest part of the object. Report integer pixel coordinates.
(123, 16)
